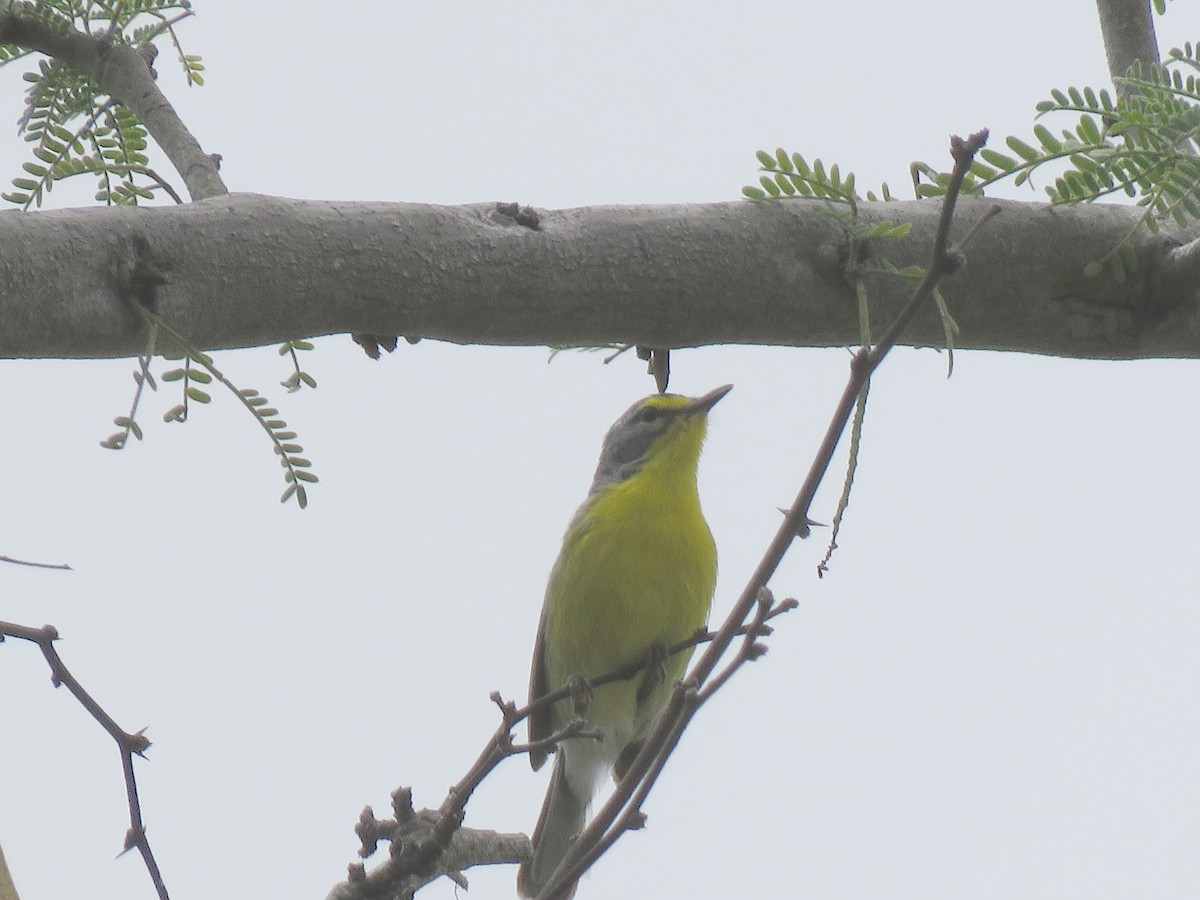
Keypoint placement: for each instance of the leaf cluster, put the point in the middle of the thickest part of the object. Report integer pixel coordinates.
(197, 372)
(73, 127)
(790, 175)
(1140, 144)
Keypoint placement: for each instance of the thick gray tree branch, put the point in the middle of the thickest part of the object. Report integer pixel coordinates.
(246, 270)
(124, 74)
(1128, 30)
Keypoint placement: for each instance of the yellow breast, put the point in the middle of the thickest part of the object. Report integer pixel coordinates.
(638, 567)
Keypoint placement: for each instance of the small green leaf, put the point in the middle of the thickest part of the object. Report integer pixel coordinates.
(1022, 149)
(307, 476)
(750, 193)
(782, 162)
(1088, 130)
(765, 159)
(173, 375)
(800, 183)
(1001, 161)
(198, 395)
(1047, 138)
(982, 171)
(175, 414)
(287, 494)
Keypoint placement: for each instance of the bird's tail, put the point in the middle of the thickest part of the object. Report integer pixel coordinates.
(559, 824)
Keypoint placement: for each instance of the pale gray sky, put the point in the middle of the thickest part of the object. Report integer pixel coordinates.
(990, 696)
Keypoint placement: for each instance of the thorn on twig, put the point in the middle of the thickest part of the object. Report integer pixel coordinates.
(137, 742)
(134, 838)
(804, 529)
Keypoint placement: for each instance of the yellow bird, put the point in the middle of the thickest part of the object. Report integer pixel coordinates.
(636, 570)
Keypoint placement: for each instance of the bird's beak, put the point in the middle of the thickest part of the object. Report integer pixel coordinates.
(709, 400)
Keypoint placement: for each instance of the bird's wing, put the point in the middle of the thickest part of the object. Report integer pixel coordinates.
(540, 725)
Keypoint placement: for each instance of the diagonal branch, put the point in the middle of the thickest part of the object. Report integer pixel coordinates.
(428, 844)
(128, 744)
(1128, 30)
(124, 73)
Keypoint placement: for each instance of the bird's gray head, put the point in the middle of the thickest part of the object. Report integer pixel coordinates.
(628, 442)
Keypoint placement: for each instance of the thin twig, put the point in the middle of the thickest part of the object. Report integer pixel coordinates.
(129, 744)
(424, 838)
(35, 565)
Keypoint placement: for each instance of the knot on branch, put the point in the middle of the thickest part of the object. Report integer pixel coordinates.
(136, 273)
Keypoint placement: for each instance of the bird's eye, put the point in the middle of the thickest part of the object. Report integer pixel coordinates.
(649, 413)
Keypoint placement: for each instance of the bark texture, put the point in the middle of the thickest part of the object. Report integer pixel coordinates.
(246, 270)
